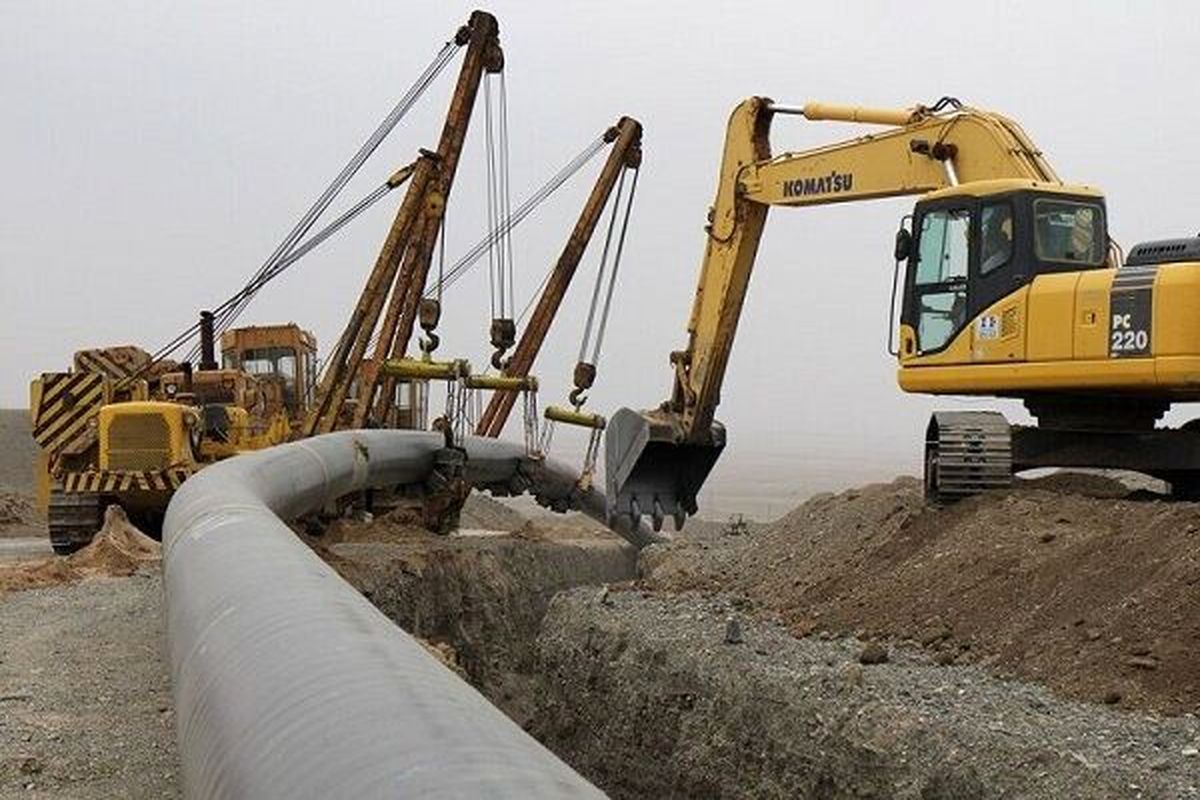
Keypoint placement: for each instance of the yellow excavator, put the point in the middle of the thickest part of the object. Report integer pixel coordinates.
(1012, 289)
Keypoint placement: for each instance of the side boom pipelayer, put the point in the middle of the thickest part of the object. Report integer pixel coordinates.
(267, 388)
(401, 273)
(405, 257)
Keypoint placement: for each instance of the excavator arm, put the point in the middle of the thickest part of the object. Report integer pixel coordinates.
(656, 461)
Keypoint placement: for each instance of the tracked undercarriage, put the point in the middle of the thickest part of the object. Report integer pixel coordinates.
(968, 452)
(73, 519)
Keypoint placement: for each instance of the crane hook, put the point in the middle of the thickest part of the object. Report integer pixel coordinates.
(429, 313)
(503, 336)
(585, 376)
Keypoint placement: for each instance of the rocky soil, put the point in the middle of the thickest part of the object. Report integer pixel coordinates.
(688, 696)
(17, 450)
(1034, 644)
(1071, 581)
(477, 597)
(18, 516)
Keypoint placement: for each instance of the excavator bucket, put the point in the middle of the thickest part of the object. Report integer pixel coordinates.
(649, 470)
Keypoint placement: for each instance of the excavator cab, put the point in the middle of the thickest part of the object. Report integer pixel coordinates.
(975, 246)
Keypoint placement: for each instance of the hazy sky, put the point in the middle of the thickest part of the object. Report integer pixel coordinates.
(154, 153)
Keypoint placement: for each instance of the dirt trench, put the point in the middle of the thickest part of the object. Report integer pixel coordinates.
(689, 696)
(478, 599)
(700, 678)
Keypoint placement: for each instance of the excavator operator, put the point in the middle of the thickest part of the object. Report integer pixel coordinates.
(997, 237)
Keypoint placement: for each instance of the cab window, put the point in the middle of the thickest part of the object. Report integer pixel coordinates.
(278, 361)
(996, 245)
(1070, 232)
(942, 255)
(940, 282)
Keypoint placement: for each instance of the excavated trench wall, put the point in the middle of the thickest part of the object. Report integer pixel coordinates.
(485, 596)
(656, 696)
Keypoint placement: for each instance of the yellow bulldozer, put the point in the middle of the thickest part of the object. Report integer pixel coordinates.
(121, 428)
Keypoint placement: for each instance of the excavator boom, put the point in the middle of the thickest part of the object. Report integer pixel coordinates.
(656, 461)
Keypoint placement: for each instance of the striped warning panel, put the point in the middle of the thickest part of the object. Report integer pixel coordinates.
(115, 362)
(116, 481)
(68, 400)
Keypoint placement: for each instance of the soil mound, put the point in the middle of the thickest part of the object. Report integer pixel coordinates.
(118, 550)
(481, 512)
(1072, 581)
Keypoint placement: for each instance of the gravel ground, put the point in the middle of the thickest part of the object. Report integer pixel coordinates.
(1071, 581)
(85, 706)
(627, 674)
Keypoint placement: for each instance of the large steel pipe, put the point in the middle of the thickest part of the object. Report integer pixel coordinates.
(287, 682)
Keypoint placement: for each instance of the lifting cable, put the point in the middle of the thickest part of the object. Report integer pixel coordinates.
(293, 256)
(460, 267)
(303, 249)
(233, 307)
(447, 277)
(398, 112)
(460, 396)
(503, 329)
(585, 370)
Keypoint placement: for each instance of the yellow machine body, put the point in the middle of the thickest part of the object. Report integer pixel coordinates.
(1055, 336)
(121, 428)
(150, 435)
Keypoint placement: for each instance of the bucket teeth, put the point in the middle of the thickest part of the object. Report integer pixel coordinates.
(648, 467)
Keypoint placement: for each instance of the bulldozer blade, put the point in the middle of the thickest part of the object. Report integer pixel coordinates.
(649, 471)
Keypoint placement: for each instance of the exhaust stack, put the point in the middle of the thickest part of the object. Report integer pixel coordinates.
(208, 344)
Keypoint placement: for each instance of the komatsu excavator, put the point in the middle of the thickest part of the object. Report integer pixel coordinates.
(1012, 289)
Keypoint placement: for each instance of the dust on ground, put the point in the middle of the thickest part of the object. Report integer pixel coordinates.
(1072, 581)
(118, 550)
(85, 705)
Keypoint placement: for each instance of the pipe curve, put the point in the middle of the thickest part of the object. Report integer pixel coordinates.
(287, 682)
